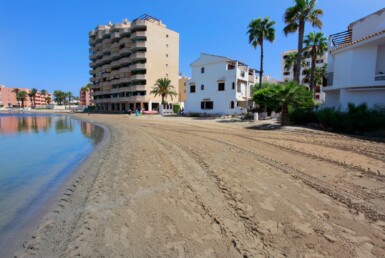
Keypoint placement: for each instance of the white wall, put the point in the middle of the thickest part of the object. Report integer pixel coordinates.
(368, 25)
(380, 63)
(215, 70)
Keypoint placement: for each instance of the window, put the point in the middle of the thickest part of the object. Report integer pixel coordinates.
(286, 73)
(243, 74)
(319, 61)
(192, 88)
(202, 87)
(166, 64)
(233, 85)
(166, 74)
(239, 88)
(207, 105)
(166, 55)
(221, 86)
(202, 70)
(308, 64)
(166, 45)
(232, 105)
(166, 35)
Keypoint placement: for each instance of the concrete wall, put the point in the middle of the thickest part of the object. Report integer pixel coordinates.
(215, 71)
(368, 25)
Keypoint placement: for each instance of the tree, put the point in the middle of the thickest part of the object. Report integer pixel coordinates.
(291, 62)
(30, 98)
(295, 18)
(22, 96)
(163, 88)
(43, 92)
(32, 94)
(320, 74)
(59, 96)
(48, 100)
(16, 91)
(260, 30)
(281, 96)
(317, 45)
(69, 95)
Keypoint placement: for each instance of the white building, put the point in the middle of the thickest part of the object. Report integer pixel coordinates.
(356, 64)
(219, 85)
(288, 74)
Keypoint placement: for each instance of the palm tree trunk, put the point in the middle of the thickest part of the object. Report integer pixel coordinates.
(285, 120)
(162, 99)
(261, 67)
(312, 73)
(301, 30)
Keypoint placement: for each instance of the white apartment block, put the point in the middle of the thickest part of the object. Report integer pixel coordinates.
(220, 86)
(288, 75)
(126, 60)
(356, 64)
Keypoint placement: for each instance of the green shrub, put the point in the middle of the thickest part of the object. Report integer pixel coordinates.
(176, 108)
(300, 116)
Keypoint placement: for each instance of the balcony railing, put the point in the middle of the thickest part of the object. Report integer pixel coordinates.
(379, 77)
(341, 38)
(329, 77)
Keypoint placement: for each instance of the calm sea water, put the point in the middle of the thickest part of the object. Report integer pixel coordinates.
(37, 152)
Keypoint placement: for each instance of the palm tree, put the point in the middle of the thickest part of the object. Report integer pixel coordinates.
(16, 91)
(163, 88)
(260, 30)
(316, 45)
(43, 92)
(320, 74)
(32, 95)
(295, 18)
(48, 100)
(22, 96)
(291, 62)
(30, 98)
(69, 95)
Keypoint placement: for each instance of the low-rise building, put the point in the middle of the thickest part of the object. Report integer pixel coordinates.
(219, 85)
(356, 64)
(182, 95)
(8, 98)
(288, 74)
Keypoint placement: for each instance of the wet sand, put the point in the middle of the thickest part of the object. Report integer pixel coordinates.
(184, 187)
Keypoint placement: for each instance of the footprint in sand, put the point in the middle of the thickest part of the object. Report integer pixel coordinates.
(149, 231)
(133, 215)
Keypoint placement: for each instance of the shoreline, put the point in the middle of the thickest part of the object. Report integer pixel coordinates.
(57, 192)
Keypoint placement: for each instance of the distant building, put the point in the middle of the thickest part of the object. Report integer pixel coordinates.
(8, 98)
(182, 95)
(267, 79)
(356, 64)
(84, 98)
(288, 75)
(219, 85)
(126, 60)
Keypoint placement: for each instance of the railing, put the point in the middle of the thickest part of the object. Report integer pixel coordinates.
(379, 77)
(329, 79)
(341, 38)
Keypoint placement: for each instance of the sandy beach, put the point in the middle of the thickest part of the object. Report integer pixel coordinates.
(185, 187)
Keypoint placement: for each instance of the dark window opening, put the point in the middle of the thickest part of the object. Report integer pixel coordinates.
(202, 87)
(221, 86)
(207, 105)
(202, 70)
(192, 88)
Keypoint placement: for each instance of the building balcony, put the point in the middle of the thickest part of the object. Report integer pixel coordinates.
(106, 59)
(138, 23)
(137, 77)
(125, 80)
(138, 34)
(329, 79)
(115, 63)
(115, 36)
(124, 61)
(92, 72)
(124, 51)
(137, 88)
(125, 40)
(138, 56)
(379, 77)
(138, 45)
(125, 69)
(341, 38)
(115, 54)
(138, 67)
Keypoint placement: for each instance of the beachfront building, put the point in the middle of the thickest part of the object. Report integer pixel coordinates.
(84, 98)
(126, 60)
(356, 70)
(8, 98)
(288, 74)
(182, 95)
(219, 85)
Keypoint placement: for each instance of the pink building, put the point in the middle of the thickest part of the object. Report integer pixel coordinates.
(84, 99)
(8, 98)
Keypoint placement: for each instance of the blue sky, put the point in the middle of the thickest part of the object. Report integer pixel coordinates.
(44, 44)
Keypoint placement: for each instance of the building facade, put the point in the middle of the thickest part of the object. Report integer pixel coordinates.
(84, 98)
(219, 85)
(182, 88)
(288, 74)
(356, 64)
(126, 60)
(8, 98)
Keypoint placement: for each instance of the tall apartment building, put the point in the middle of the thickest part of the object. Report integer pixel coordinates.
(126, 60)
(288, 75)
(84, 98)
